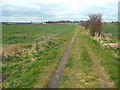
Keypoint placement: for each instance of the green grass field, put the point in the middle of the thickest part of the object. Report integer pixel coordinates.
(21, 71)
(35, 67)
(27, 33)
(80, 69)
(111, 28)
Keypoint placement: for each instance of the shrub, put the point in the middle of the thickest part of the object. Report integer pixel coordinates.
(95, 23)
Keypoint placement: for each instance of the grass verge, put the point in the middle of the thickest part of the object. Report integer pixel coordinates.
(79, 71)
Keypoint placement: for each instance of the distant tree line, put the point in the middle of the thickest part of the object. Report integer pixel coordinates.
(47, 22)
(63, 21)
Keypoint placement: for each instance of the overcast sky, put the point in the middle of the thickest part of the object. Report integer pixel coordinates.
(43, 10)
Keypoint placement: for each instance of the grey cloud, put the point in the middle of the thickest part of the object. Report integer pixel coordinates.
(50, 11)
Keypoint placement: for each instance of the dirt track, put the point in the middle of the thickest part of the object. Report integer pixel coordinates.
(54, 82)
(103, 77)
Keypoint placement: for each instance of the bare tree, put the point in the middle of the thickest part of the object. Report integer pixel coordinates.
(85, 24)
(95, 24)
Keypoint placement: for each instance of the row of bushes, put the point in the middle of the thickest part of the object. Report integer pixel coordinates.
(94, 24)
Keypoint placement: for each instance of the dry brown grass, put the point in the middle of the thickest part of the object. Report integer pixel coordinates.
(11, 49)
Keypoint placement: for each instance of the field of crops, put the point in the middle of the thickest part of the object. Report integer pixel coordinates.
(27, 33)
(39, 59)
(111, 28)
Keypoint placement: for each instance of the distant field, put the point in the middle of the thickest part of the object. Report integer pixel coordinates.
(111, 28)
(27, 33)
